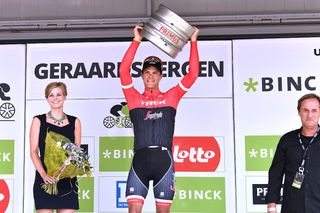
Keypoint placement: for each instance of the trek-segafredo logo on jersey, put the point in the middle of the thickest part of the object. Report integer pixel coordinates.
(196, 154)
(153, 103)
(153, 116)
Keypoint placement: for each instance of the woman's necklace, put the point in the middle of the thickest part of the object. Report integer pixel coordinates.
(57, 121)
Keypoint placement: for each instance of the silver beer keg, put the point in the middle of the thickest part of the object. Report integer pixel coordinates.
(167, 31)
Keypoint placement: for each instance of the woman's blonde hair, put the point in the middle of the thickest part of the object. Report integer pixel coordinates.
(53, 85)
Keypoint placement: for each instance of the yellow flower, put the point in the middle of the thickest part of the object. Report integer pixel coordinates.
(63, 163)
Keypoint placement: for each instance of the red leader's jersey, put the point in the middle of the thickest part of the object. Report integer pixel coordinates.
(153, 112)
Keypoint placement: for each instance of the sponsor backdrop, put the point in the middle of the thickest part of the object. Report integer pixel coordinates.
(203, 145)
(227, 125)
(270, 76)
(12, 114)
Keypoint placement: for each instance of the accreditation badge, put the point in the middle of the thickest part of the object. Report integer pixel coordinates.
(298, 180)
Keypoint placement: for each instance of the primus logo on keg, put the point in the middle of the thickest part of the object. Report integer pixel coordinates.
(169, 34)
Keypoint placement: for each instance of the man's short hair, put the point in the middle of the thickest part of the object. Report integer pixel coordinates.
(307, 96)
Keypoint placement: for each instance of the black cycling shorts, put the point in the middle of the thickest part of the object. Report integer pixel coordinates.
(154, 164)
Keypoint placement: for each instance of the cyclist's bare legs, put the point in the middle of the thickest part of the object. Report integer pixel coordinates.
(135, 207)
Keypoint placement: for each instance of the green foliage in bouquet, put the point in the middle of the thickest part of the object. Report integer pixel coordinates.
(63, 159)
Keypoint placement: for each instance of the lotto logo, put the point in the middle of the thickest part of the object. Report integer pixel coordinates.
(196, 154)
(4, 195)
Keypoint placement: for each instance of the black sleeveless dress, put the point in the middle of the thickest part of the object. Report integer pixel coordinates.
(67, 197)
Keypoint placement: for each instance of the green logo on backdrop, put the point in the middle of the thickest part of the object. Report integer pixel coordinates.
(116, 154)
(251, 85)
(7, 156)
(86, 194)
(200, 194)
(260, 151)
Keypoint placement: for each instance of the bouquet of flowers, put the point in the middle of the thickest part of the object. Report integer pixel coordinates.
(63, 159)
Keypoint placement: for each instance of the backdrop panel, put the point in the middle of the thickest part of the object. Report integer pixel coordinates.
(12, 97)
(204, 126)
(270, 76)
(92, 69)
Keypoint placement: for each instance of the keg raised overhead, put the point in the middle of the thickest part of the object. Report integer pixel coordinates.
(167, 31)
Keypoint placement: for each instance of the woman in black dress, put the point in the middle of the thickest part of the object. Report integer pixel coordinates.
(66, 201)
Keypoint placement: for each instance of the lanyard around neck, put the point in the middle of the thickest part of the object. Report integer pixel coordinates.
(305, 149)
